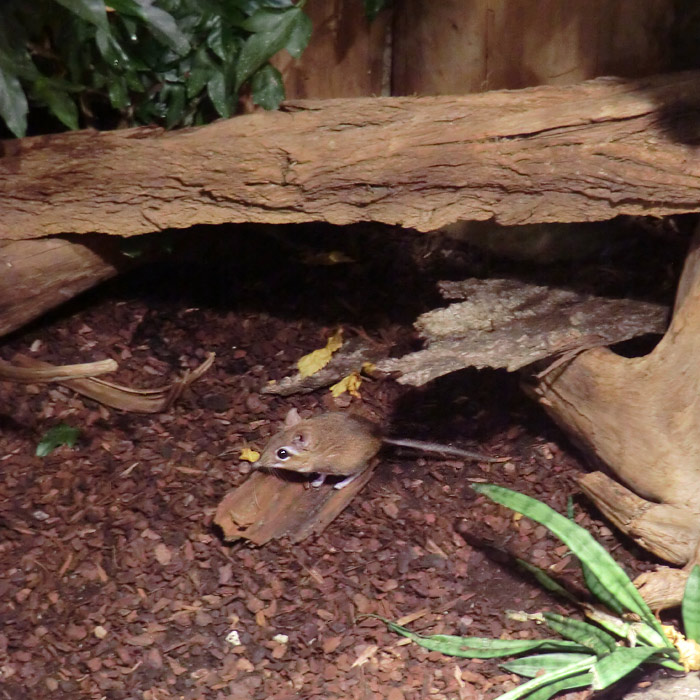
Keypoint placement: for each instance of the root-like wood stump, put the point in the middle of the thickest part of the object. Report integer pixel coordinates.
(641, 417)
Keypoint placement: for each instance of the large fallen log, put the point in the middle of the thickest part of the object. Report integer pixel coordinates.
(574, 153)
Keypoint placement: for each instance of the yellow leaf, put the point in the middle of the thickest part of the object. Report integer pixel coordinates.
(688, 649)
(318, 359)
(351, 384)
(248, 455)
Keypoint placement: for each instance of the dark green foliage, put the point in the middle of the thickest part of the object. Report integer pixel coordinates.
(127, 62)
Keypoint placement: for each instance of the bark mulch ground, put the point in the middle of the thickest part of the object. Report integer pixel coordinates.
(115, 584)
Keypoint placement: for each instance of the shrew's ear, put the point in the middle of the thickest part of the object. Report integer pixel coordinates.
(301, 439)
(292, 418)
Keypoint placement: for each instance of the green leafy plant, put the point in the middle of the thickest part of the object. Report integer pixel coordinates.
(61, 434)
(625, 636)
(126, 62)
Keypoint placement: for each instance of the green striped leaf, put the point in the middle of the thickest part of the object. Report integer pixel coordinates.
(600, 591)
(531, 666)
(482, 647)
(544, 683)
(622, 661)
(633, 632)
(691, 605)
(580, 680)
(582, 544)
(546, 581)
(579, 631)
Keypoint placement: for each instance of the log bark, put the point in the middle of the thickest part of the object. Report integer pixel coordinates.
(268, 506)
(38, 275)
(577, 153)
(641, 417)
(511, 324)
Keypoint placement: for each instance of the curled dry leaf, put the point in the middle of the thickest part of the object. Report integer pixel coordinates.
(122, 397)
(41, 372)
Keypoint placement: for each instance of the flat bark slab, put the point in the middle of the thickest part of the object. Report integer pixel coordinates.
(267, 506)
(583, 152)
(509, 324)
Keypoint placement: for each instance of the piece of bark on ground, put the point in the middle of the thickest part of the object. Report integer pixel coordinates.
(349, 358)
(40, 274)
(269, 506)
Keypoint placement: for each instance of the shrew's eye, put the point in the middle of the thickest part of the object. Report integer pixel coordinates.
(282, 454)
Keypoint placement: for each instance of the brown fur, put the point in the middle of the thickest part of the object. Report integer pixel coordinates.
(330, 443)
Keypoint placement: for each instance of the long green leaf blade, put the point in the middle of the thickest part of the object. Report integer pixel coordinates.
(691, 605)
(531, 666)
(545, 580)
(579, 680)
(595, 586)
(581, 543)
(482, 647)
(581, 632)
(540, 682)
(633, 632)
(622, 661)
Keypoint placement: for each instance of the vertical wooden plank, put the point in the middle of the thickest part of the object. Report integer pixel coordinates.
(453, 47)
(345, 56)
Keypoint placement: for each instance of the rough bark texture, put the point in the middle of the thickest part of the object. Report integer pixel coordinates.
(270, 506)
(669, 531)
(580, 153)
(511, 324)
(641, 417)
